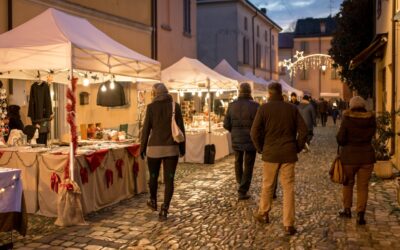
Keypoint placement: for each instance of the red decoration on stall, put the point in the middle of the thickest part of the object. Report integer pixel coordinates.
(71, 114)
(134, 150)
(109, 177)
(135, 168)
(66, 170)
(94, 159)
(84, 175)
(1, 153)
(55, 180)
(118, 165)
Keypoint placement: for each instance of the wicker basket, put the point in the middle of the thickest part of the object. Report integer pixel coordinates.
(383, 169)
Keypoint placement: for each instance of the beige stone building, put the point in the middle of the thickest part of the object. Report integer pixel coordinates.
(176, 30)
(385, 52)
(313, 36)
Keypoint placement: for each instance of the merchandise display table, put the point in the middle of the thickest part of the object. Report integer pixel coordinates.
(196, 141)
(12, 207)
(106, 174)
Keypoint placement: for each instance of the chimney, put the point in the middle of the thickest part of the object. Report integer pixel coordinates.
(264, 11)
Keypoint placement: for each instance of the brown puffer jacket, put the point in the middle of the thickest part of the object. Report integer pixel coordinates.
(279, 131)
(355, 135)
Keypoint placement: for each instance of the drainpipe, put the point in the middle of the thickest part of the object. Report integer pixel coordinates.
(270, 53)
(253, 40)
(9, 15)
(9, 27)
(393, 110)
(154, 41)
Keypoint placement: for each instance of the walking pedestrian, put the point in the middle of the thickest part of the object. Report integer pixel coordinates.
(157, 142)
(357, 155)
(308, 113)
(335, 112)
(323, 111)
(238, 121)
(279, 132)
(293, 99)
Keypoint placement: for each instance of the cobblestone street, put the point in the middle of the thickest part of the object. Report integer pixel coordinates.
(205, 214)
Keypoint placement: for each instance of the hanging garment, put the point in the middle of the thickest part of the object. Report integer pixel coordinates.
(111, 97)
(39, 102)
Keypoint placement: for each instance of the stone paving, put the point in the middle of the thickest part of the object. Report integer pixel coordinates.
(205, 214)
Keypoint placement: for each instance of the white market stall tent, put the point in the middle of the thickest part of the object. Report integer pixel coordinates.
(224, 68)
(189, 74)
(287, 88)
(56, 42)
(61, 45)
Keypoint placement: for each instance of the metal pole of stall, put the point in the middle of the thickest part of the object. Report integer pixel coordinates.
(209, 105)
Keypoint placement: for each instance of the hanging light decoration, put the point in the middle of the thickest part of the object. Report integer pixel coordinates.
(301, 62)
(181, 93)
(217, 94)
(86, 81)
(193, 93)
(112, 83)
(199, 94)
(208, 95)
(103, 88)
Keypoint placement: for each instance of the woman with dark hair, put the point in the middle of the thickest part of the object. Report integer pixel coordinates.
(14, 119)
(159, 146)
(357, 155)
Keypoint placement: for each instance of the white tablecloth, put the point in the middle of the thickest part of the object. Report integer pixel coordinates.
(196, 142)
(10, 190)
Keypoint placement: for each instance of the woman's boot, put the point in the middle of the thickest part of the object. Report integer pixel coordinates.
(360, 218)
(162, 216)
(345, 213)
(152, 203)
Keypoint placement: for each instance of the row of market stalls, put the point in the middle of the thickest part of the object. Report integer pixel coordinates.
(103, 172)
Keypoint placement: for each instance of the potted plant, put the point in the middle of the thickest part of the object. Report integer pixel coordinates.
(384, 132)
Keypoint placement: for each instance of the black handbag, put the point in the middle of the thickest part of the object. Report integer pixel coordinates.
(209, 154)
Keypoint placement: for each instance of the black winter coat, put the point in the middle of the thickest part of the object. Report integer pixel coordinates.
(279, 131)
(355, 136)
(238, 120)
(157, 125)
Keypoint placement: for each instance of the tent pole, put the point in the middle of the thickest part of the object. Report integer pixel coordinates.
(209, 106)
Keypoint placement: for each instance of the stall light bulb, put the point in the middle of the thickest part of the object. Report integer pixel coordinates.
(2, 190)
(208, 95)
(217, 94)
(12, 186)
(103, 88)
(14, 177)
(264, 98)
(193, 93)
(86, 82)
(112, 84)
(181, 94)
(199, 94)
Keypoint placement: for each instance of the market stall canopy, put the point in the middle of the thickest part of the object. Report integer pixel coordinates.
(287, 88)
(190, 74)
(54, 42)
(256, 79)
(224, 68)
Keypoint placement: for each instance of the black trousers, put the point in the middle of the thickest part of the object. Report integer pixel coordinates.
(169, 165)
(324, 118)
(243, 176)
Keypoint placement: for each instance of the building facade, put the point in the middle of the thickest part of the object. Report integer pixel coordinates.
(313, 36)
(176, 30)
(239, 32)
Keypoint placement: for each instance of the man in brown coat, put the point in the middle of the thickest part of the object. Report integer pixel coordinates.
(279, 133)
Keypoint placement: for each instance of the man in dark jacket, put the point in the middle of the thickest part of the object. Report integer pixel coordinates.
(323, 111)
(238, 121)
(279, 132)
(308, 113)
(293, 99)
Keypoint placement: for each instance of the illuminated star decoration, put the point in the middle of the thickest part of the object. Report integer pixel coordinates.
(299, 55)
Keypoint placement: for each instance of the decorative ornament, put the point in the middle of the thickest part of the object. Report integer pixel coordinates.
(3, 111)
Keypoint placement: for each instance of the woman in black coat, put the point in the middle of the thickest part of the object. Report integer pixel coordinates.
(357, 155)
(14, 119)
(159, 146)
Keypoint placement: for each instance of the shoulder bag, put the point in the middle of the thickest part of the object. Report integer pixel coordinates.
(336, 172)
(177, 133)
